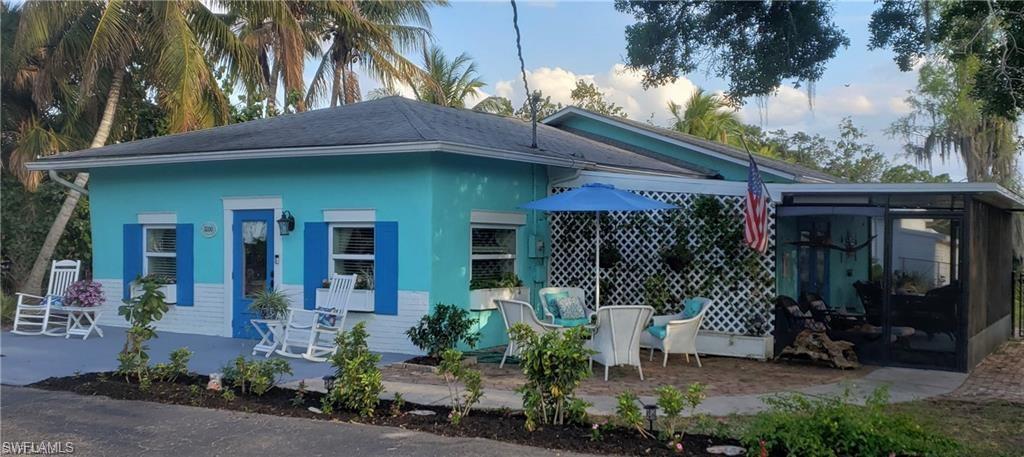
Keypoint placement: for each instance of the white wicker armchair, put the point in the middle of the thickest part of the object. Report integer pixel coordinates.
(674, 334)
(617, 336)
(514, 312)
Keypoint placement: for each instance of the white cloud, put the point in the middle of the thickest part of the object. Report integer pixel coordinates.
(898, 105)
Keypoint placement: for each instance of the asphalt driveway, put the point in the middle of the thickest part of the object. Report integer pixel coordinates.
(102, 426)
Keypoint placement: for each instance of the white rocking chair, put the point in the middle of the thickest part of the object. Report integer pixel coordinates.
(315, 330)
(37, 312)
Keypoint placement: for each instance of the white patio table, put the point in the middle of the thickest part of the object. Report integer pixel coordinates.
(81, 321)
(270, 331)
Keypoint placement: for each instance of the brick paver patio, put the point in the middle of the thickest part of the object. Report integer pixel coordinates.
(721, 375)
(999, 377)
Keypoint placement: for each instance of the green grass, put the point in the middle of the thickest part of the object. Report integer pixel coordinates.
(991, 428)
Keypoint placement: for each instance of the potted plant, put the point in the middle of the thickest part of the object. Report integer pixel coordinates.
(84, 294)
(270, 304)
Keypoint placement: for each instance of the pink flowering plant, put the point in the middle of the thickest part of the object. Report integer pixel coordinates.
(84, 293)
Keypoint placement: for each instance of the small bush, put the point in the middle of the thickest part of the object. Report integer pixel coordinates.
(178, 365)
(255, 376)
(673, 402)
(270, 304)
(8, 305)
(555, 364)
(455, 373)
(828, 427)
(141, 311)
(628, 413)
(397, 404)
(358, 382)
(300, 395)
(443, 329)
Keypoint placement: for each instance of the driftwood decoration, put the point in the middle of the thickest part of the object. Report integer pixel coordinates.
(818, 347)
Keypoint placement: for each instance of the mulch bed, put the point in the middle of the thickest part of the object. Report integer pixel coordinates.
(424, 360)
(490, 424)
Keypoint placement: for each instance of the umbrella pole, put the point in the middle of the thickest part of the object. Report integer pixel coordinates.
(597, 260)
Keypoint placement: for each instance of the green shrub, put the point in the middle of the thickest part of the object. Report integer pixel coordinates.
(141, 311)
(455, 373)
(255, 376)
(555, 364)
(443, 329)
(178, 365)
(628, 413)
(358, 382)
(8, 305)
(831, 426)
(673, 402)
(270, 304)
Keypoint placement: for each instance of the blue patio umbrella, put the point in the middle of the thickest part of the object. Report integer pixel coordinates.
(596, 198)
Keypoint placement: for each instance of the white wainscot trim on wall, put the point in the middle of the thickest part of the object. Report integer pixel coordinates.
(204, 317)
(733, 345)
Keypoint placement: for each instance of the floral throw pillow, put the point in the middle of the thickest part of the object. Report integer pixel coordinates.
(571, 308)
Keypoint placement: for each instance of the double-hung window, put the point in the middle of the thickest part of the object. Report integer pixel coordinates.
(493, 255)
(352, 252)
(160, 253)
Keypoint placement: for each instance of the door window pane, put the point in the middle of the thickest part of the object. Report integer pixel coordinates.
(254, 257)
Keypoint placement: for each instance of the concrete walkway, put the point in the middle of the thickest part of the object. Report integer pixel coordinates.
(904, 384)
(28, 359)
(101, 426)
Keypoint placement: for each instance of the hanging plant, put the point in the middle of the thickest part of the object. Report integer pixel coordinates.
(610, 255)
(678, 257)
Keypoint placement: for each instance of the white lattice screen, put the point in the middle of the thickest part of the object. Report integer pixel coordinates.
(742, 299)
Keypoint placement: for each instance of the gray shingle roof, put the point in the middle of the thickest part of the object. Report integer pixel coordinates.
(764, 162)
(386, 121)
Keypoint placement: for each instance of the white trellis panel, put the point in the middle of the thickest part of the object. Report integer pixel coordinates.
(742, 304)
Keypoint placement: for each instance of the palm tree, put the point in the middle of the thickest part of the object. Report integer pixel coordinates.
(448, 82)
(171, 46)
(376, 43)
(707, 116)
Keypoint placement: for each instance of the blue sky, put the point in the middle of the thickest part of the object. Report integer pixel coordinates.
(564, 41)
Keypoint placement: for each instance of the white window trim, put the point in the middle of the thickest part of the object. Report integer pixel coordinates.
(350, 215)
(514, 256)
(331, 256)
(158, 218)
(497, 217)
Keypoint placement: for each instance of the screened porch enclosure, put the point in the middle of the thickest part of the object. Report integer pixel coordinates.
(910, 279)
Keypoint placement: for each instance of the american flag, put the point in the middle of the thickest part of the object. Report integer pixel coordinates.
(756, 214)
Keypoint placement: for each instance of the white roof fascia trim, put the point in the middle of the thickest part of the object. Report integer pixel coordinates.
(659, 183)
(246, 154)
(573, 110)
(902, 188)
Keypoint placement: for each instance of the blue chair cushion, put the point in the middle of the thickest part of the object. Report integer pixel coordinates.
(692, 307)
(571, 322)
(658, 331)
(54, 300)
(551, 302)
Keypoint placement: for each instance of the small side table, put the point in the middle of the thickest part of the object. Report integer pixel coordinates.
(81, 321)
(270, 331)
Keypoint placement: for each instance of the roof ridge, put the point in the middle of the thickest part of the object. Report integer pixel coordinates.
(417, 124)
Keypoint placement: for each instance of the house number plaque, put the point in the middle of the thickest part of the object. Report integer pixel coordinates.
(208, 229)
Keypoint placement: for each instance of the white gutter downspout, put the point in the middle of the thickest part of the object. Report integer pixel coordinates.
(70, 185)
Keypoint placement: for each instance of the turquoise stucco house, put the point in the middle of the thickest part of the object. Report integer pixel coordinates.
(423, 203)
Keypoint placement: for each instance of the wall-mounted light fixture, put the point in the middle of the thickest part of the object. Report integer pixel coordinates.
(286, 223)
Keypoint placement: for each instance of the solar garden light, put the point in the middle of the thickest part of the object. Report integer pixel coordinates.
(651, 411)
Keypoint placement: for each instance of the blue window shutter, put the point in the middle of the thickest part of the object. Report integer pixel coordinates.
(385, 270)
(132, 262)
(314, 264)
(186, 265)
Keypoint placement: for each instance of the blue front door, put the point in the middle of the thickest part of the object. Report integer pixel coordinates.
(253, 265)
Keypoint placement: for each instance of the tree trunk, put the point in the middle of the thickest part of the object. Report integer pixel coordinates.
(336, 88)
(34, 283)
